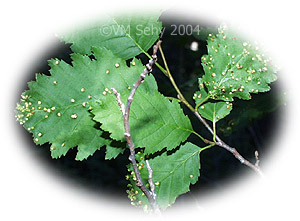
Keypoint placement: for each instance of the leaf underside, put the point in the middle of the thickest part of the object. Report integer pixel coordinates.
(155, 122)
(56, 108)
(126, 36)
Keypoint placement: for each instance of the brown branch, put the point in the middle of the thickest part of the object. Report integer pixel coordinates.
(232, 150)
(125, 111)
(152, 186)
(120, 103)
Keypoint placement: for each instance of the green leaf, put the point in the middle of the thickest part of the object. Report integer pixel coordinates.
(113, 152)
(172, 174)
(126, 36)
(155, 122)
(215, 111)
(56, 108)
(235, 67)
(200, 96)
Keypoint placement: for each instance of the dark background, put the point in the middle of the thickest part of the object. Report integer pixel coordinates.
(251, 126)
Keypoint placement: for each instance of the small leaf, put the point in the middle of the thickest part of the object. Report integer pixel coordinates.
(215, 111)
(155, 122)
(126, 36)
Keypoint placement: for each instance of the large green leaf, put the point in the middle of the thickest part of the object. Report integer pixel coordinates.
(126, 36)
(56, 108)
(235, 67)
(155, 122)
(172, 175)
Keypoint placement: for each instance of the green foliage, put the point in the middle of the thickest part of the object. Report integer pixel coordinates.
(155, 122)
(235, 68)
(113, 152)
(126, 36)
(173, 174)
(215, 111)
(75, 105)
(200, 96)
(135, 194)
(56, 108)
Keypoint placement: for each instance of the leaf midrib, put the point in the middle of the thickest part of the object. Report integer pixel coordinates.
(129, 36)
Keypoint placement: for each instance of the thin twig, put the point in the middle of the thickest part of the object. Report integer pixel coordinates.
(232, 150)
(150, 180)
(120, 103)
(169, 75)
(150, 194)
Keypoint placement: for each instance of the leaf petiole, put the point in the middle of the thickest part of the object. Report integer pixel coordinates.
(169, 75)
(207, 147)
(204, 100)
(198, 135)
(174, 99)
(215, 133)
